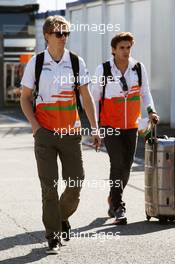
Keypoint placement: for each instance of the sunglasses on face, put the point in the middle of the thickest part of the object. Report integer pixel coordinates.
(124, 84)
(60, 34)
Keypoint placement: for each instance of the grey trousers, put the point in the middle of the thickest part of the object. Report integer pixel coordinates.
(47, 148)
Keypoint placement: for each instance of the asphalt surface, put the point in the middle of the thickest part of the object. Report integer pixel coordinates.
(94, 239)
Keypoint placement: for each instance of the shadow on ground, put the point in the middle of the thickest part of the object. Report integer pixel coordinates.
(99, 225)
(131, 229)
(36, 254)
(101, 229)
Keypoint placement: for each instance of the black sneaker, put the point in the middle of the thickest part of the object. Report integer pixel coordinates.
(66, 228)
(54, 246)
(111, 212)
(120, 216)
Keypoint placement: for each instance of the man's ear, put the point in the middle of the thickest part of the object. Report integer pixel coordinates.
(46, 36)
(113, 51)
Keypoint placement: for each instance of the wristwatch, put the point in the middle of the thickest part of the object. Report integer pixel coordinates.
(150, 110)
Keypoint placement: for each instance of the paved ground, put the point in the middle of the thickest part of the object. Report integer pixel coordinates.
(98, 241)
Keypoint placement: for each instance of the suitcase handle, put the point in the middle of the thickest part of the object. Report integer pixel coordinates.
(153, 138)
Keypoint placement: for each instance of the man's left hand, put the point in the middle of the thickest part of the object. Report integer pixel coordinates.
(96, 142)
(154, 118)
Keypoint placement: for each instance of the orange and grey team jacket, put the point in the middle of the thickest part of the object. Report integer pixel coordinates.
(56, 107)
(121, 109)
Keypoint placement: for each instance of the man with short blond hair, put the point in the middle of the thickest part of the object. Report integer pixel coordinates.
(55, 107)
(55, 23)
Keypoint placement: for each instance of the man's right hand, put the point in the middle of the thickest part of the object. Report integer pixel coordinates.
(26, 105)
(35, 129)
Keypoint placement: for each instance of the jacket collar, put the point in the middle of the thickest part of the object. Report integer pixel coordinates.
(132, 63)
(48, 58)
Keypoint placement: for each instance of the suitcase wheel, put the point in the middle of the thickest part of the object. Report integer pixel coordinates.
(148, 217)
(171, 219)
(163, 220)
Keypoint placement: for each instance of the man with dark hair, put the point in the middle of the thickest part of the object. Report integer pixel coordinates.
(118, 103)
(126, 36)
(56, 112)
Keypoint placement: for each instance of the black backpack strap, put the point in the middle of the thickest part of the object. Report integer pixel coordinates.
(138, 69)
(106, 73)
(76, 69)
(38, 69)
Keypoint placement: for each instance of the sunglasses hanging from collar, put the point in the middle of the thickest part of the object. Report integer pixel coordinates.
(124, 83)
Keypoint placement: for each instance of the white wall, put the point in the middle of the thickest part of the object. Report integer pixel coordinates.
(140, 26)
(86, 43)
(172, 65)
(75, 38)
(153, 24)
(94, 39)
(115, 15)
(161, 57)
(40, 42)
(95, 47)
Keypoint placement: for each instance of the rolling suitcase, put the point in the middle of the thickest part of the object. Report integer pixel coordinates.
(160, 178)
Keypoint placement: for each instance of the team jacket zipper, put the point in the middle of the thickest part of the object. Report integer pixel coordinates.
(125, 96)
